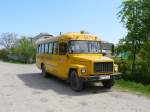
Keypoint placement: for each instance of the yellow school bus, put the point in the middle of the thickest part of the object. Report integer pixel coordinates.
(77, 58)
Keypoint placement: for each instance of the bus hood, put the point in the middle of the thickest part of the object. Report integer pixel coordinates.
(92, 58)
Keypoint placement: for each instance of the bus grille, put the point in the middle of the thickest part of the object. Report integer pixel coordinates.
(103, 67)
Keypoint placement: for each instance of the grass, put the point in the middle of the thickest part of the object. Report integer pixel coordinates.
(15, 62)
(134, 87)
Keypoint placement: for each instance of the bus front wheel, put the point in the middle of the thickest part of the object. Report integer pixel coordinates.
(75, 81)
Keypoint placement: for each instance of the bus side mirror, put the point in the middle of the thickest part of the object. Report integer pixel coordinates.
(103, 53)
(113, 49)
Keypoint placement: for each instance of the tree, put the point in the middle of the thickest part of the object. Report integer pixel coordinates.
(145, 52)
(135, 16)
(8, 40)
(25, 48)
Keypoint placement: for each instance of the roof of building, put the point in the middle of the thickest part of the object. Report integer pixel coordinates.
(42, 35)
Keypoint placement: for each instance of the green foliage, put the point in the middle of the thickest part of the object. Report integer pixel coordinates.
(141, 73)
(3, 54)
(144, 53)
(135, 15)
(134, 87)
(25, 49)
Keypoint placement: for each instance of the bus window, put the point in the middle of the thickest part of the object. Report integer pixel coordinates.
(50, 48)
(46, 48)
(62, 48)
(38, 49)
(42, 48)
(55, 48)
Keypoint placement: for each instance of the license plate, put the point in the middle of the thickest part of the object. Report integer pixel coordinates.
(103, 77)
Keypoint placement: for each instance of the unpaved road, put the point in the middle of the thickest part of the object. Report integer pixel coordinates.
(22, 89)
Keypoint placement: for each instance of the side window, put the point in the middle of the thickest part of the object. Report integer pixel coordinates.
(50, 48)
(42, 48)
(55, 48)
(46, 48)
(62, 48)
(38, 49)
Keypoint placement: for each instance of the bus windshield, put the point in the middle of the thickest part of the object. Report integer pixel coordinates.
(80, 46)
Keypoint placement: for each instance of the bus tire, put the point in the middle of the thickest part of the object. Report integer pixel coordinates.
(76, 83)
(44, 73)
(108, 83)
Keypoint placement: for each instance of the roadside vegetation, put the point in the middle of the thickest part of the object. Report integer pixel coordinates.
(133, 50)
(17, 50)
(134, 87)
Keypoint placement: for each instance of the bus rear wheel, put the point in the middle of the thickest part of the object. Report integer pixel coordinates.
(75, 82)
(44, 73)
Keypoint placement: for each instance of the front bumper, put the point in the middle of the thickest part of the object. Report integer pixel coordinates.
(94, 78)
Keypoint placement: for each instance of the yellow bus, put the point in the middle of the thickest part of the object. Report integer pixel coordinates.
(77, 58)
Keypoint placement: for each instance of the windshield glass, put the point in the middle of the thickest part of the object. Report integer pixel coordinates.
(80, 46)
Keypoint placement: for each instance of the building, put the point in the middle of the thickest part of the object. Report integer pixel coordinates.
(42, 35)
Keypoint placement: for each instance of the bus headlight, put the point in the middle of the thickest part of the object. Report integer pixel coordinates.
(116, 68)
(83, 70)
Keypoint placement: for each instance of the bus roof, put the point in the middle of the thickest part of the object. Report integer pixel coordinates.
(69, 36)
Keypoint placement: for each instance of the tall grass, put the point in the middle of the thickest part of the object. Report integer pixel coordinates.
(134, 87)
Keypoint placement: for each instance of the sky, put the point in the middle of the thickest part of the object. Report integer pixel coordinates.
(30, 17)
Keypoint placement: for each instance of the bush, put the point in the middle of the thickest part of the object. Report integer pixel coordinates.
(3, 54)
(141, 74)
(24, 51)
(134, 87)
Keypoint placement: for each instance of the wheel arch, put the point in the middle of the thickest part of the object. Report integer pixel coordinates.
(42, 64)
(72, 69)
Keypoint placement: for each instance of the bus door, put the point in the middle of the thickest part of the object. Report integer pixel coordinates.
(63, 60)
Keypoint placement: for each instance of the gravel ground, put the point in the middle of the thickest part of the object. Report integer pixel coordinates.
(22, 89)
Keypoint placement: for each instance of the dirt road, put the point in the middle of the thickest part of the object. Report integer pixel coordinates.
(22, 89)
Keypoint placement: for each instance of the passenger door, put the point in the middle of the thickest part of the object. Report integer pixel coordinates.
(63, 60)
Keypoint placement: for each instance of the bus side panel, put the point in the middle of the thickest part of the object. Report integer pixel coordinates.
(51, 63)
(63, 66)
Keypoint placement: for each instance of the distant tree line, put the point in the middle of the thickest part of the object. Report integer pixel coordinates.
(18, 49)
(135, 16)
